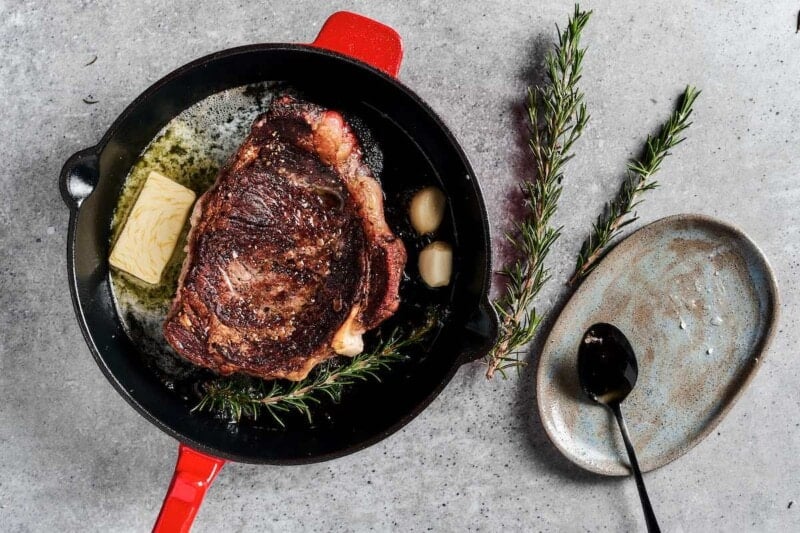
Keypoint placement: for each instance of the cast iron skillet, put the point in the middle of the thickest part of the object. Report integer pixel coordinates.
(353, 61)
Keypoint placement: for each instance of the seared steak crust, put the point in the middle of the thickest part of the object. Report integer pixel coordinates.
(289, 255)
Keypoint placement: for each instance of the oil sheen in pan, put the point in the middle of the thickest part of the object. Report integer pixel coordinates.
(192, 147)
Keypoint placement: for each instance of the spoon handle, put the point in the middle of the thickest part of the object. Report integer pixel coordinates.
(649, 515)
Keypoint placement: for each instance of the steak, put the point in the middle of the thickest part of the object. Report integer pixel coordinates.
(290, 260)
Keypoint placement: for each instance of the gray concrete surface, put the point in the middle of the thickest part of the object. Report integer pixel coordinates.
(75, 457)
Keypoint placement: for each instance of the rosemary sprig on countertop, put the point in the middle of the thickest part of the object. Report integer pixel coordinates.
(637, 181)
(241, 396)
(557, 117)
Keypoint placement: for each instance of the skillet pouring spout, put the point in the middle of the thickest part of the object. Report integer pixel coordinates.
(79, 177)
(481, 331)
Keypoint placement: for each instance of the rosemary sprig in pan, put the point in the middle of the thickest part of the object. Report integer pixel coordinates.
(637, 181)
(557, 117)
(241, 396)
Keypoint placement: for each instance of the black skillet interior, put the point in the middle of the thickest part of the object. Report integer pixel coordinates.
(372, 411)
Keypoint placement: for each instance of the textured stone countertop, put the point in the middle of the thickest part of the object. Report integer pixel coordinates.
(76, 457)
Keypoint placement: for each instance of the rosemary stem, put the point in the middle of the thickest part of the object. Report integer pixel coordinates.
(592, 259)
(236, 396)
(637, 181)
(557, 117)
(332, 378)
(515, 318)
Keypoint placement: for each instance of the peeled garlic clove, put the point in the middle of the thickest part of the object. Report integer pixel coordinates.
(436, 264)
(427, 210)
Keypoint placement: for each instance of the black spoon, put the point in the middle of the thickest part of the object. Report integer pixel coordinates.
(607, 370)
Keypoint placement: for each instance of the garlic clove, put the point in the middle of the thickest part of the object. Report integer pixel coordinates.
(436, 264)
(426, 210)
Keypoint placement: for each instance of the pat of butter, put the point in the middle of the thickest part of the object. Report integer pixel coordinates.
(154, 225)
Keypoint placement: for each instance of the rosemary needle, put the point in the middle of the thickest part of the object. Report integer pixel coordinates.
(557, 117)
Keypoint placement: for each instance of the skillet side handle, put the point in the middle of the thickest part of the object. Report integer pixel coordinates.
(480, 333)
(194, 473)
(79, 177)
(364, 39)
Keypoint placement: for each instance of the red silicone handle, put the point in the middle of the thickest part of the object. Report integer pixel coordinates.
(364, 39)
(194, 473)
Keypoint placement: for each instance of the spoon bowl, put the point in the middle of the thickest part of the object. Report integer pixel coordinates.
(607, 365)
(607, 370)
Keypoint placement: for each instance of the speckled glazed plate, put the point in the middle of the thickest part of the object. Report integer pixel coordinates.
(698, 301)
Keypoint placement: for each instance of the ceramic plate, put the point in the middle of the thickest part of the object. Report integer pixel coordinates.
(698, 301)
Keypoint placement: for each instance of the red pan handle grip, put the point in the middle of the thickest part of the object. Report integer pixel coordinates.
(364, 39)
(194, 473)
